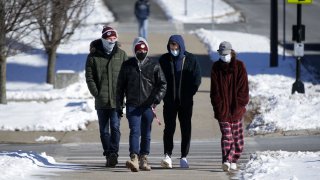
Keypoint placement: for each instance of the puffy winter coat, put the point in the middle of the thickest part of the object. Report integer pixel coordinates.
(102, 74)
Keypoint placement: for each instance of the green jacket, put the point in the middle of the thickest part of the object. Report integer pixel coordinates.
(102, 74)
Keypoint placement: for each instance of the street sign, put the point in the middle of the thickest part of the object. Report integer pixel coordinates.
(300, 1)
(298, 49)
(298, 33)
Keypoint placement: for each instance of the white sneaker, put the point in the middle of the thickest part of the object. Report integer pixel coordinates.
(166, 162)
(233, 166)
(184, 163)
(226, 166)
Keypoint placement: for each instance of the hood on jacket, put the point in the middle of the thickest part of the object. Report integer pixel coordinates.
(178, 39)
(96, 46)
(136, 41)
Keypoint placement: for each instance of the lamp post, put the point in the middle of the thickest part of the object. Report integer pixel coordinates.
(298, 35)
(212, 13)
(284, 29)
(185, 7)
(274, 34)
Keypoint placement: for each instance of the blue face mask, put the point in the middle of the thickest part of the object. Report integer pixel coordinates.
(174, 52)
(108, 45)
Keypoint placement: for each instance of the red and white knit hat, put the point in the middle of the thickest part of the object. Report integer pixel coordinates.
(140, 46)
(108, 32)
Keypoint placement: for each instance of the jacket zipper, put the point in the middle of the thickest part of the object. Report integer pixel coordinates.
(139, 84)
(179, 94)
(174, 80)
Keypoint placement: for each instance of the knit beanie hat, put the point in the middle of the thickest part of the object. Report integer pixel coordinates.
(140, 46)
(108, 32)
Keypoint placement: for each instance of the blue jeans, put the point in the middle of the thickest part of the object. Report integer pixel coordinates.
(140, 121)
(110, 141)
(143, 28)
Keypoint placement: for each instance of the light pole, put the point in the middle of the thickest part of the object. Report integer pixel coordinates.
(212, 13)
(274, 34)
(185, 7)
(298, 35)
(284, 29)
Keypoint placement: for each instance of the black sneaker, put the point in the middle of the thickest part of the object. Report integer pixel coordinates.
(107, 162)
(112, 160)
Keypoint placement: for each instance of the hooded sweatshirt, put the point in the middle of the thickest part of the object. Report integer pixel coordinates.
(189, 78)
(177, 60)
(135, 42)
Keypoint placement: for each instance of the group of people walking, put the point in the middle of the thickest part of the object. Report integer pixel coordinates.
(140, 83)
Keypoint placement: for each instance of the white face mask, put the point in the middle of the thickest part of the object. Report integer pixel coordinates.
(174, 52)
(226, 58)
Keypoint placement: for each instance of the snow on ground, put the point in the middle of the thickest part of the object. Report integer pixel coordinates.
(200, 11)
(56, 115)
(30, 165)
(46, 139)
(270, 165)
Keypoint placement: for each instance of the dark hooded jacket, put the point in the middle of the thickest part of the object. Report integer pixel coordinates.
(101, 73)
(143, 85)
(142, 9)
(182, 73)
(229, 89)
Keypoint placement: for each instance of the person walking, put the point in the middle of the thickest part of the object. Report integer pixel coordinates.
(142, 82)
(102, 68)
(183, 75)
(142, 12)
(229, 95)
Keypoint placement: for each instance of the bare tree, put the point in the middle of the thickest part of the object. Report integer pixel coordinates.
(57, 21)
(15, 22)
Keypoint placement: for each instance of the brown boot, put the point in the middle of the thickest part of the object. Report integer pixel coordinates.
(133, 163)
(143, 164)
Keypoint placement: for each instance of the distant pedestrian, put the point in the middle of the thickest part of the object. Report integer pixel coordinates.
(102, 69)
(142, 12)
(142, 82)
(182, 72)
(229, 96)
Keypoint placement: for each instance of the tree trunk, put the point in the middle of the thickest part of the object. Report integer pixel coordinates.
(3, 64)
(52, 56)
(3, 90)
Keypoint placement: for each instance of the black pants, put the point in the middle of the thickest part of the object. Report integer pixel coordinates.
(170, 112)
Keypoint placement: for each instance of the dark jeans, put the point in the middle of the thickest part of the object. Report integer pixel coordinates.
(110, 141)
(140, 121)
(170, 112)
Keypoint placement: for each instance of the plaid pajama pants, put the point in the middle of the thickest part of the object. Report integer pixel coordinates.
(231, 140)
